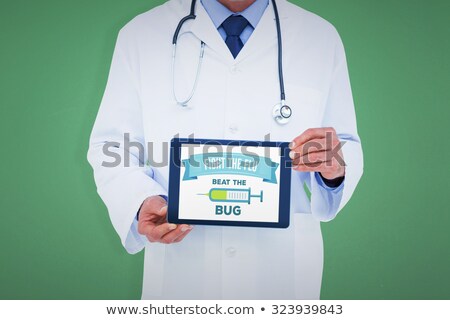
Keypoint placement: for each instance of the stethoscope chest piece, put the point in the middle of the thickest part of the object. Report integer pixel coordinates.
(281, 113)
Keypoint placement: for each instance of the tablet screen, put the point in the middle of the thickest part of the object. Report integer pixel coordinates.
(229, 183)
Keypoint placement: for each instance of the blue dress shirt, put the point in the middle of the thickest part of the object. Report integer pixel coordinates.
(218, 13)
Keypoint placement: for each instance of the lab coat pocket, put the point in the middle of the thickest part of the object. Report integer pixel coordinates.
(306, 104)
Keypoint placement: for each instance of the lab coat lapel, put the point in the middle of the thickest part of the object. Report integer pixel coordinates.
(265, 33)
(203, 28)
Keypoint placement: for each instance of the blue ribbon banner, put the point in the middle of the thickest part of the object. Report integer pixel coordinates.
(230, 163)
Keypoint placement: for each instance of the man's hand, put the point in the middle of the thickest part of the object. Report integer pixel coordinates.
(318, 150)
(153, 223)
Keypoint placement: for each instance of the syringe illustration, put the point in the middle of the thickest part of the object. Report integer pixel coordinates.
(232, 195)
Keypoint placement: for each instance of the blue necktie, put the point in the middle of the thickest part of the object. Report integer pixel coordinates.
(233, 26)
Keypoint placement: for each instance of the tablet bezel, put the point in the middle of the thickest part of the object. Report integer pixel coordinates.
(174, 183)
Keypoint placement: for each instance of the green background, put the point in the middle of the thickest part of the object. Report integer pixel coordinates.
(390, 242)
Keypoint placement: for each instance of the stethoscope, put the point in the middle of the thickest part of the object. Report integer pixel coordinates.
(281, 111)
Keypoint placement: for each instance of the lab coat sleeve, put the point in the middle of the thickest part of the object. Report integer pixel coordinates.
(123, 187)
(339, 113)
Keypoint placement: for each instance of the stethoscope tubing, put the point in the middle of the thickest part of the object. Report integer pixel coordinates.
(280, 118)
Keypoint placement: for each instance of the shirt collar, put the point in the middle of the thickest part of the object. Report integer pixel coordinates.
(218, 12)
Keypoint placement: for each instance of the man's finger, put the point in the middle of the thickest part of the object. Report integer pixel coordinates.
(154, 217)
(312, 167)
(157, 232)
(146, 226)
(313, 133)
(179, 232)
(314, 145)
(153, 204)
(331, 166)
(312, 158)
(162, 213)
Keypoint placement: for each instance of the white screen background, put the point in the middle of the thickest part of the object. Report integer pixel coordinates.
(199, 207)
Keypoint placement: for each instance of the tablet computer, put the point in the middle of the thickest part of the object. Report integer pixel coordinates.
(229, 183)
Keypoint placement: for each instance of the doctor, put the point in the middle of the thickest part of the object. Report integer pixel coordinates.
(231, 95)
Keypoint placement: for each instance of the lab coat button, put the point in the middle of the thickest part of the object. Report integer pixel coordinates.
(233, 128)
(230, 252)
(234, 69)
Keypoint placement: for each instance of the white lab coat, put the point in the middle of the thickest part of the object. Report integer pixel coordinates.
(233, 100)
